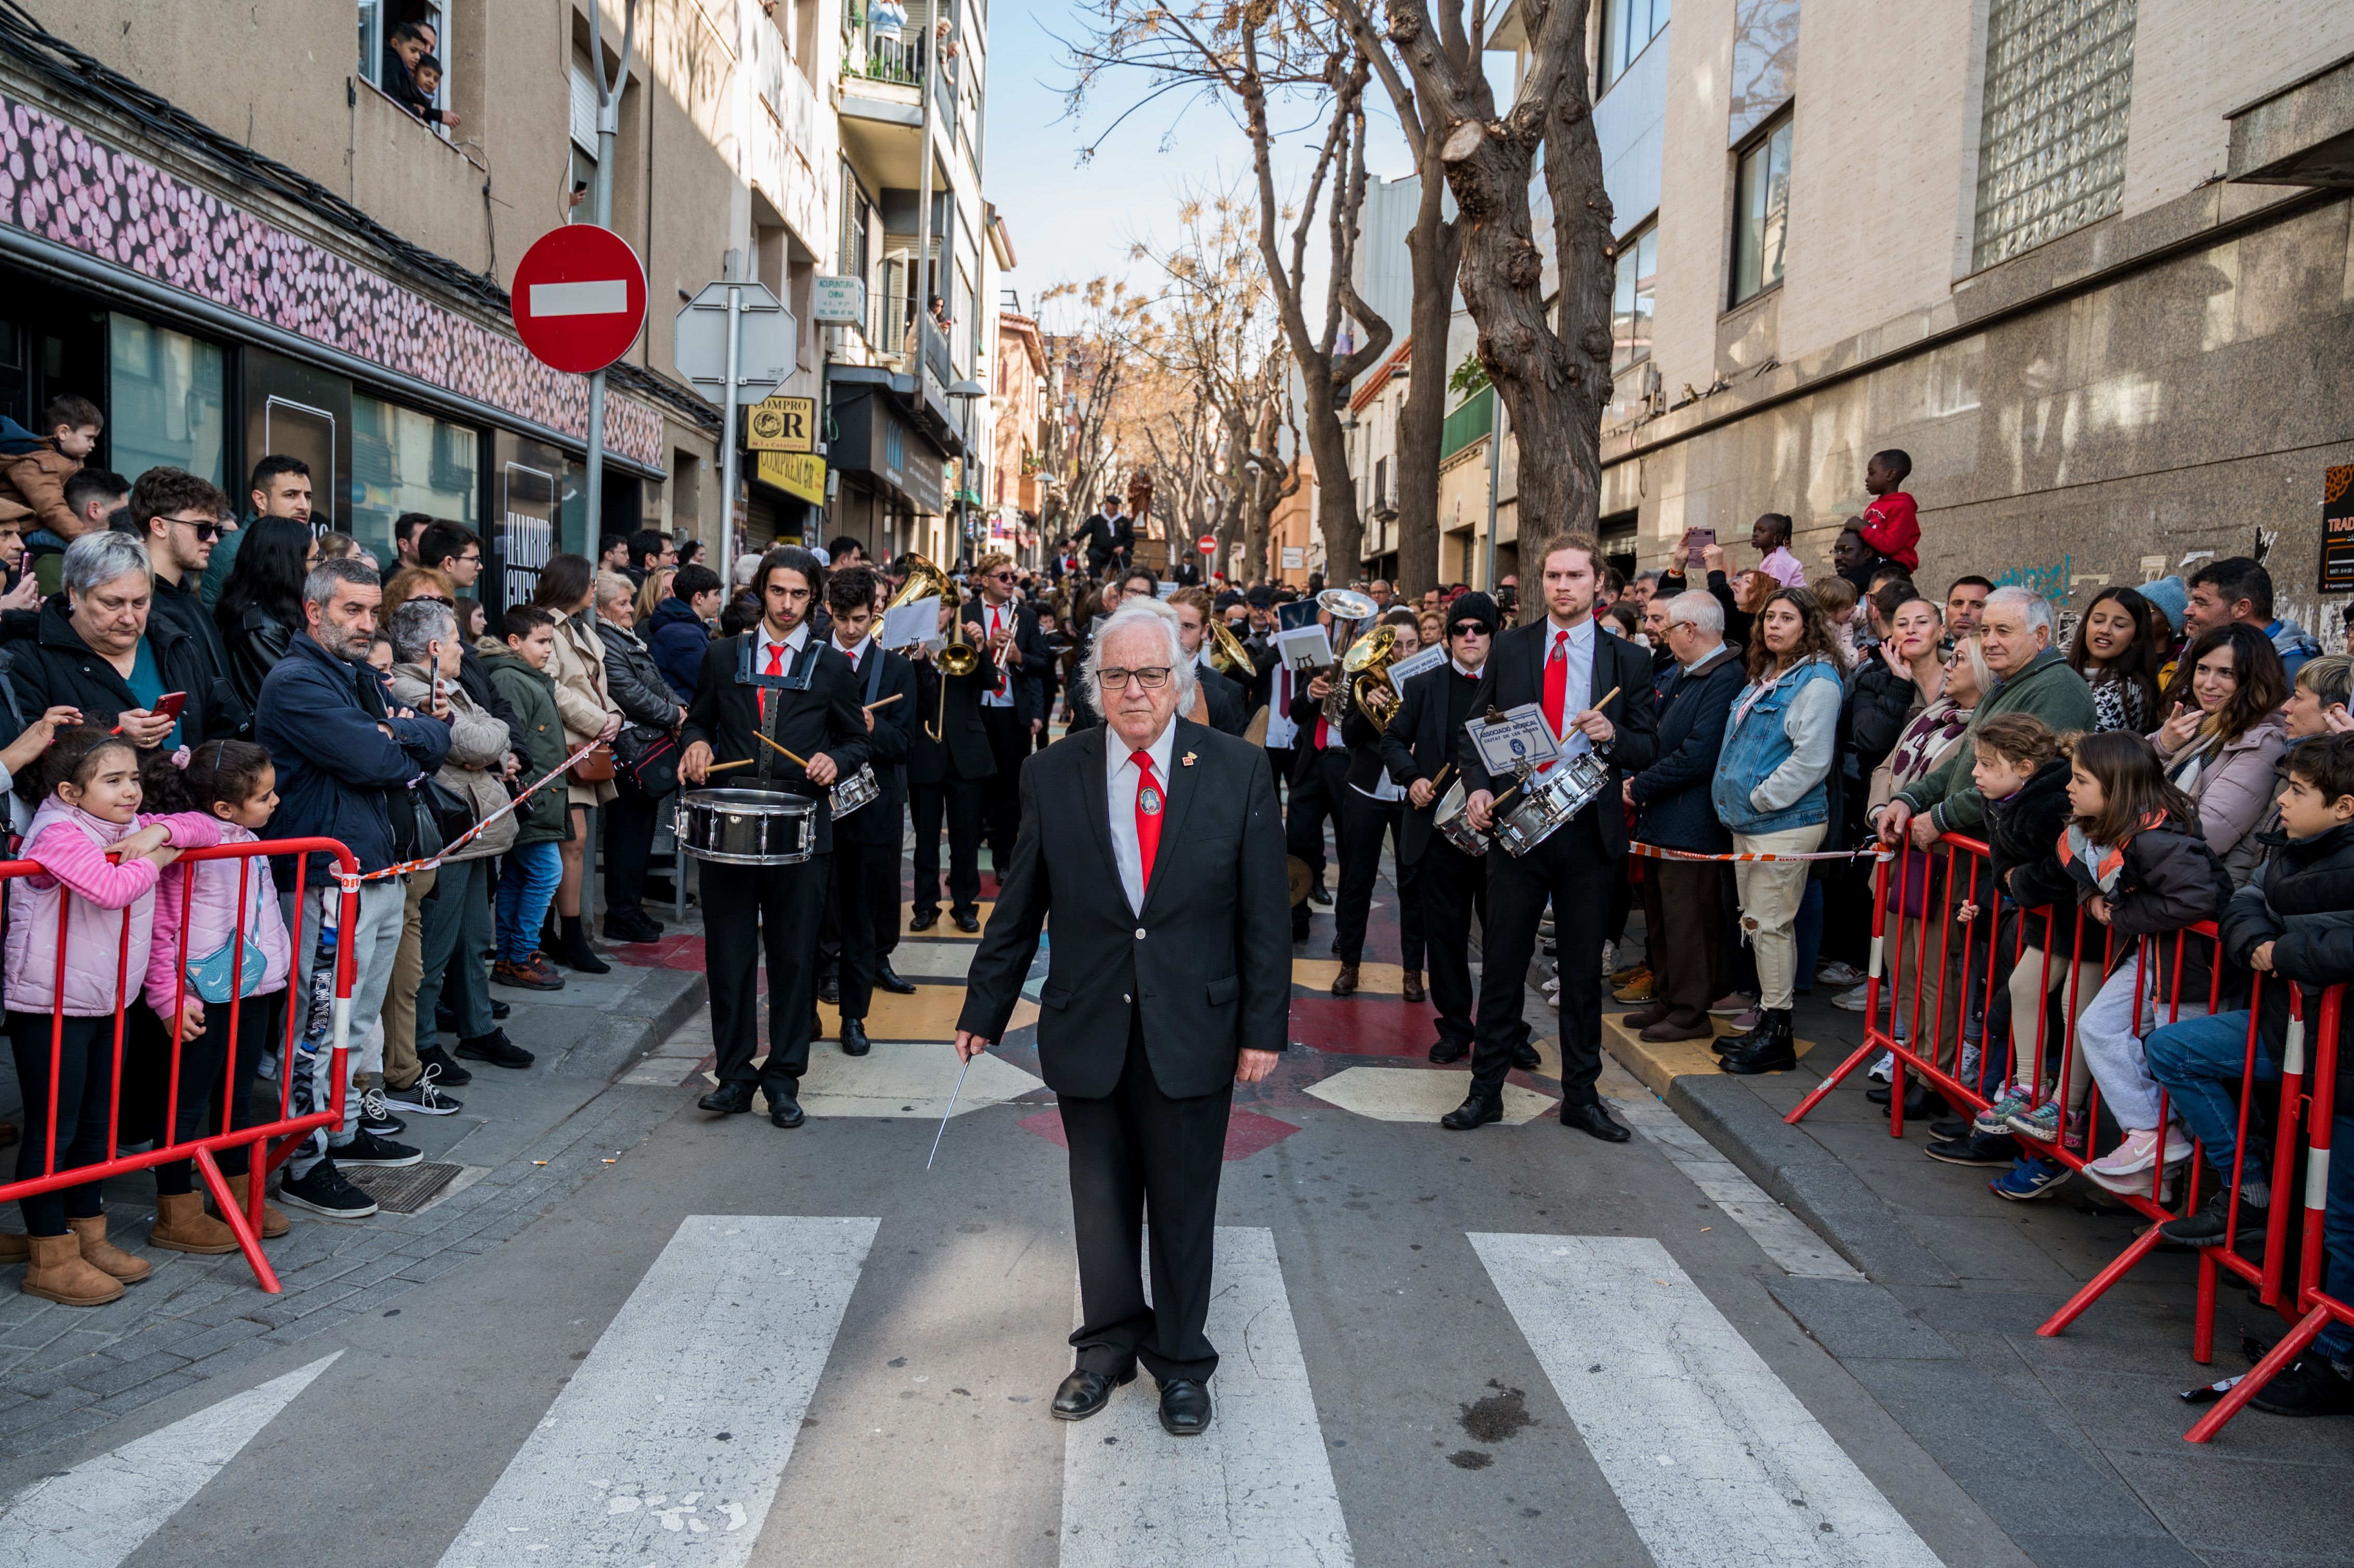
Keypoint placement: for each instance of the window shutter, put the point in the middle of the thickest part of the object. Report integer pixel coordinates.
(584, 109)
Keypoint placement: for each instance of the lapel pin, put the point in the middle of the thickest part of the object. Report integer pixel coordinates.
(1186, 760)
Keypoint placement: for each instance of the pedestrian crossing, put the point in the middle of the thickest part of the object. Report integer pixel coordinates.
(645, 1459)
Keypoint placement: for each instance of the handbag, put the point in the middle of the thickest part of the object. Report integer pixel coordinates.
(453, 814)
(596, 768)
(647, 761)
(213, 976)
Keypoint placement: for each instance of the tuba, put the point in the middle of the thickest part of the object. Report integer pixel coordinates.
(1368, 663)
(1345, 607)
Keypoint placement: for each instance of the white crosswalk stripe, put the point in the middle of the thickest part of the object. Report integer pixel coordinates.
(100, 1513)
(1254, 1491)
(646, 1457)
(1715, 1461)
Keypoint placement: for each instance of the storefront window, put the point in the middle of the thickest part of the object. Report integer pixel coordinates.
(403, 460)
(167, 401)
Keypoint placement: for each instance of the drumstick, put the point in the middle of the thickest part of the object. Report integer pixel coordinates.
(724, 767)
(885, 703)
(1440, 777)
(772, 746)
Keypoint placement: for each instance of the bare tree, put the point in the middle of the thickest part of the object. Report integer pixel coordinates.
(1553, 372)
(1099, 352)
(1252, 56)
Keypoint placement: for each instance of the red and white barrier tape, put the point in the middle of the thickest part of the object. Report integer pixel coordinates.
(350, 881)
(1653, 852)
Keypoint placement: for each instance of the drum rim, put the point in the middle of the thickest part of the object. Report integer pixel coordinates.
(714, 855)
(748, 802)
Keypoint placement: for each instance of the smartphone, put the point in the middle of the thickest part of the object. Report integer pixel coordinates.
(169, 705)
(1696, 540)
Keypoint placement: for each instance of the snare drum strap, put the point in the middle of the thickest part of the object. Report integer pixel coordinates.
(873, 673)
(797, 679)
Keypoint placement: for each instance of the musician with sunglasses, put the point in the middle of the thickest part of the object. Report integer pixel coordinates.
(1014, 661)
(129, 627)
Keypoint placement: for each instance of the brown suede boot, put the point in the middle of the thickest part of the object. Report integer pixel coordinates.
(181, 1225)
(15, 1248)
(103, 1255)
(273, 1218)
(1412, 988)
(59, 1275)
(1345, 982)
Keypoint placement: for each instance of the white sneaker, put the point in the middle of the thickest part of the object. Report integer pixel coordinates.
(1884, 1070)
(1610, 957)
(1839, 973)
(2134, 1157)
(1851, 1001)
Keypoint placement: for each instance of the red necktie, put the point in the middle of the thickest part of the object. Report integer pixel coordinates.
(1556, 688)
(1147, 814)
(776, 667)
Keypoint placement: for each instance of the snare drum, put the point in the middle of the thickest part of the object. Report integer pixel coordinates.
(746, 827)
(857, 790)
(1456, 826)
(1549, 799)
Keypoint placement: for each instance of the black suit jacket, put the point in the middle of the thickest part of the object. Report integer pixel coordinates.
(878, 821)
(1417, 744)
(1025, 667)
(726, 715)
(1230, 708)
(961, 750)
(1207, 960)
(1514, 674)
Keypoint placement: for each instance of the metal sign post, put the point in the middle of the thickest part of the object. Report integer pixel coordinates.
(735, 344)
(609, 125)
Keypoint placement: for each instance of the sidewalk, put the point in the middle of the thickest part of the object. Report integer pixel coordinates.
(524, 1142)
(2069, 1443)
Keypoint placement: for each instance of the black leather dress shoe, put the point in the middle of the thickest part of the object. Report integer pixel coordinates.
(853, 1037)
(1525, 1057)
(888, 979)
(501, 1009)
(1185, 1408)
(728, 1100)
(1445, 1051)
(785, 1111)
(1084, 1392)
(1473, 1112)
(1594, 1120)
(923, 919)
(967, 923)
(828, 990)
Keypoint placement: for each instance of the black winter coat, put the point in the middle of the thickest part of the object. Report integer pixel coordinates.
(2168, 880)
(256, 643)
(1673, 792)
(2024, 834)
(2301, 900)
(635, 682)
(60, 670)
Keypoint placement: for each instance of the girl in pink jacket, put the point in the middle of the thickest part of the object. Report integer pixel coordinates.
(218, 935)
(88, 786)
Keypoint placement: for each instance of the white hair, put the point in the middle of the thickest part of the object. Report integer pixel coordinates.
(1700, 611)
(95, 559)
(2032, 606)
(1135, 611)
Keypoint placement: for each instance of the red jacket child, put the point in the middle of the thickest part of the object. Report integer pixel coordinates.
(1891, 524)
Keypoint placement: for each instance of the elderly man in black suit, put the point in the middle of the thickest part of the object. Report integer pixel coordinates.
(1156, 845)
(1595, 691)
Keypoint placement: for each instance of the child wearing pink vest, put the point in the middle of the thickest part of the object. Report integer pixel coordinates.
(89, 804)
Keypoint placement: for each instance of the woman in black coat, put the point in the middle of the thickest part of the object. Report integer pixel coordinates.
(260, 606)
(635, 683)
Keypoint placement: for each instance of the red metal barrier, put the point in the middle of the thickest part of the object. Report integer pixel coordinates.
(2317, 1112)
(270, 1141)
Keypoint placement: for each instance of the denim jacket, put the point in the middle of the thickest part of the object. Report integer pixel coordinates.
(1764, 783)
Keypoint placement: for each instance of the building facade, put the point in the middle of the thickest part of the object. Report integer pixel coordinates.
(2087, 262)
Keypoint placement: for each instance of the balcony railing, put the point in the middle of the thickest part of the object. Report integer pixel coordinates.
(890, 318)
(899, 59)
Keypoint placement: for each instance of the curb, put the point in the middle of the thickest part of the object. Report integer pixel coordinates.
(1798, 1172)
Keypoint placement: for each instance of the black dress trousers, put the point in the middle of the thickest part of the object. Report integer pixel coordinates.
(1453, 887)
(1317, 794)
(1364, 820)
(1573, 870)
(862, 871)
(755, 911)
(1000, 793)
(959, 803)
(1135, 1153)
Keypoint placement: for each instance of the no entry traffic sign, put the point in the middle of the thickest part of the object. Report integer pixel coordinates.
(1207, 544)
(579, 298)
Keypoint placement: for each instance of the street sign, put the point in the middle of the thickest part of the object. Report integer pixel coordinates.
(781, 424)
(579, 298)
(1207, 544)
(836, 300)
(1294, 557)
(795, 473)
(767, 338)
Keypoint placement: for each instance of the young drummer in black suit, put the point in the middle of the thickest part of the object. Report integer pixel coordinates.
(778, 680)
(866, 842)
(1595, 691)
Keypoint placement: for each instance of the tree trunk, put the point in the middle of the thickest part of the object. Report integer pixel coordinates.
(1434, 247)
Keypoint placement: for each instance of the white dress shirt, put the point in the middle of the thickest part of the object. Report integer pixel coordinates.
(855, 652)
(1579, 692)
(992, 616)
(794, 643)
(1281, 732)
(1120, 775)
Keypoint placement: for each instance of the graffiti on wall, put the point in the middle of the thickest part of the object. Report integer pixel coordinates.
(2050, 582)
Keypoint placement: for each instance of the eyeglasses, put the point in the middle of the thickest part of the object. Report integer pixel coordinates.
(1151, 680)
(207, 529)
(1001, 576)
(1466, 628)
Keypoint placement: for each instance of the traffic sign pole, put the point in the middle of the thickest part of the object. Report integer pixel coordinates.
(729, 464)
(609, 125)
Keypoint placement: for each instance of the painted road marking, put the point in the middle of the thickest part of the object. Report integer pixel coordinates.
(647, 1457)
(1714, 1460)
(98, 1513)
(1255, 1489)
(1418, 1094)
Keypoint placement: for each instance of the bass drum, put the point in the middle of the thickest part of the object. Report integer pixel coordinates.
(746, 827)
